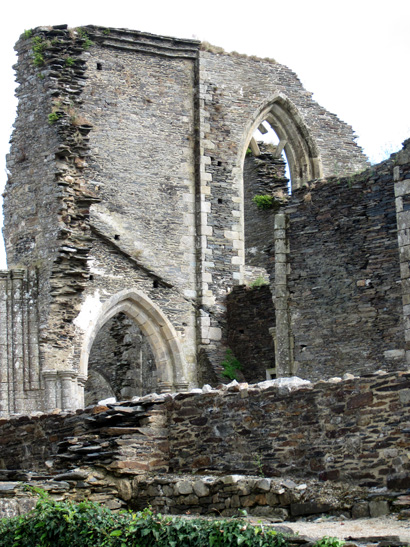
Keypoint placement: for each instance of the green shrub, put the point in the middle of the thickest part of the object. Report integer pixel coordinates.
(53, 117)
(231, 366)
(38, 46)
(328, 541)
(86, 524)
(27, 34)
(265, 202)
(258, 282)
(87, 43)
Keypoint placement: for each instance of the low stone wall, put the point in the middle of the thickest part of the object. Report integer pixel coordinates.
(301, 448)
(276, 499)
(226, 496)
(120, 438)
(355, 430)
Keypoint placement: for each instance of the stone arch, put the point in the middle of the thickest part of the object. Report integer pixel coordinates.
(299, 145)
(157, 328)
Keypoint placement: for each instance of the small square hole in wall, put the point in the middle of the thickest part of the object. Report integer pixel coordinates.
(116, 237)
(91, 277)
(271, 373)
(99, 66)
(219, 200)
(155, 284)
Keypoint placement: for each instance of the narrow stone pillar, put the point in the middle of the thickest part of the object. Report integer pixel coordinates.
(18, 349)
(68, 389)
(402, 193)
(50, 390)
(283, 353)
(4, 365)
(32, 332)
(81, 381)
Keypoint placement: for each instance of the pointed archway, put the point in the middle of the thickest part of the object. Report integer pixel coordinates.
(154, 325)
(295, 139)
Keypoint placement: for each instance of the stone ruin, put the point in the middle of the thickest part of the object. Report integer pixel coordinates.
(137, 257)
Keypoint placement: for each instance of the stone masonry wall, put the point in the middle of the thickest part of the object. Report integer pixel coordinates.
(262, 175)
(344, 276)
(321, 448)
(236, 94)
(131, 145)
(356, 430)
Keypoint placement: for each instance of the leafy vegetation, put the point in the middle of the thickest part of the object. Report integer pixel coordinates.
(53, 117)
(86, 524)
(328, 541)
(231, 366)
(27, 34)
(38, 47)
(258, 282)
(87, 43)
(265, 202)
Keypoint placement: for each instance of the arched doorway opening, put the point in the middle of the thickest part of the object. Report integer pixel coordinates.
(139, 345)
(121, 363)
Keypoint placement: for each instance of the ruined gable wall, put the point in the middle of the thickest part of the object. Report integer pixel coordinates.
(123, 135)
(47, 200)
(344, 281)
(233, 92)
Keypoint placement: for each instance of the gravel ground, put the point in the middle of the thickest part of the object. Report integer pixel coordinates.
(343, 529)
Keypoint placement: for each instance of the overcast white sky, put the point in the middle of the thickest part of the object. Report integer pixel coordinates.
(353, 55)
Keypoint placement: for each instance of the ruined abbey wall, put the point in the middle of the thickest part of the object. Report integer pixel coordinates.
(128, 195)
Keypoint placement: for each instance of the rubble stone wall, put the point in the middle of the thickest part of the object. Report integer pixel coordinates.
(356, 430)
(281, 448)
(344, 281)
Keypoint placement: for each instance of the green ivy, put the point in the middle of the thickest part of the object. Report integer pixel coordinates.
(86, 524)
(231, 366)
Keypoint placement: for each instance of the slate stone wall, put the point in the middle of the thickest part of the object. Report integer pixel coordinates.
(345, 298)
(355, 430)
(262, 175)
